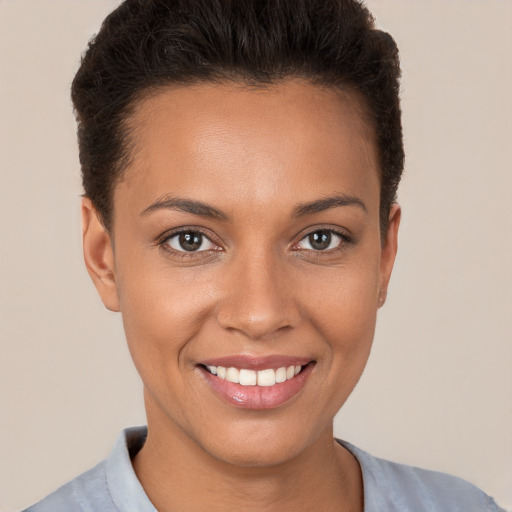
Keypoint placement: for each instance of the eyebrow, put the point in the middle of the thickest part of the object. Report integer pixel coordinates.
(185, 205)
(321, 205)
(204, 210)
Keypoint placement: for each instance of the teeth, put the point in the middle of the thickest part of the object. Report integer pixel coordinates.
(281, 374)
(266, 378)
(248, 377)
(263, 378)
(233, 375)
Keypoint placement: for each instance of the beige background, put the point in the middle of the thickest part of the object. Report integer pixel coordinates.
(438, 389)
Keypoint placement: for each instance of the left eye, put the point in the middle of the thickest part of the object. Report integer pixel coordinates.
(190, 241)
(321, 240)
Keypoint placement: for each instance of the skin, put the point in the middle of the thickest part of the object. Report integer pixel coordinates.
(259, 287)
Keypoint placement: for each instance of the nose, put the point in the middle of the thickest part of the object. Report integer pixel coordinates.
(258, 299)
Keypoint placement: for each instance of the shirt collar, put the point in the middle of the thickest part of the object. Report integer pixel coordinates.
(124, 487)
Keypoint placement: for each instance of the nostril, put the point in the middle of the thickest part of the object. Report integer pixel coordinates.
(262, 325)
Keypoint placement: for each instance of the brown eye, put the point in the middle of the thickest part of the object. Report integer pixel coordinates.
(321, 240)
(190, 241)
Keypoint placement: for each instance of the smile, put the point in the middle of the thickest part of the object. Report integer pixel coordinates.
(244, 377)
(257, 383)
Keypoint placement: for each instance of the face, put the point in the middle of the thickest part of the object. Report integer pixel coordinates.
(246, 260)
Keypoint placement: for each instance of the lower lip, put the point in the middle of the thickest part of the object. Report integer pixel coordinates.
(258, 397)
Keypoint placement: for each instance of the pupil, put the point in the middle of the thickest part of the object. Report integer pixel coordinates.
(320, 240)
(191, 241)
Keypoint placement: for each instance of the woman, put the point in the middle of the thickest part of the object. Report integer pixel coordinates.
(240, 164)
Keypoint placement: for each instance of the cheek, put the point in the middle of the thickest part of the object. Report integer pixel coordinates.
(344, 312)
(345, 299)
(162, 310)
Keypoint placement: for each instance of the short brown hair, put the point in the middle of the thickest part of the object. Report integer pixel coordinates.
(145, 44)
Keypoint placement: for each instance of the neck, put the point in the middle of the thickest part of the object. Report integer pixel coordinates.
(179, 475)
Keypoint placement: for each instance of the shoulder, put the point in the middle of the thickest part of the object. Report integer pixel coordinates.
(108, 487)
(397, 487)
(85, 493)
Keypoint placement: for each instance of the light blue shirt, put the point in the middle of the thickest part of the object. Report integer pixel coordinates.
(112, 486)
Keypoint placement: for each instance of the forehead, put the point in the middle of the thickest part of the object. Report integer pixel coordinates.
(279, 141)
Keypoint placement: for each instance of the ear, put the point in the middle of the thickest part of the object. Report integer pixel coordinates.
(99, 255)
(388, 253)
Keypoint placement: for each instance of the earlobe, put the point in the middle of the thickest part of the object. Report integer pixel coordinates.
(389, 249)
(99, 255)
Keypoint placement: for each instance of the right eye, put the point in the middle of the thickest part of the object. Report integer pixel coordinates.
(190, 241)
(321, 240)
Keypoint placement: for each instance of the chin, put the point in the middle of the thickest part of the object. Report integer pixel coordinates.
(256, 454)
(258, 445)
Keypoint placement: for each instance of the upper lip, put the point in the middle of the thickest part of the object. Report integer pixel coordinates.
(257, 362)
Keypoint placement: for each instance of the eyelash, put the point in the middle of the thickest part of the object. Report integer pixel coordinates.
(345, 240)
(164, 241)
